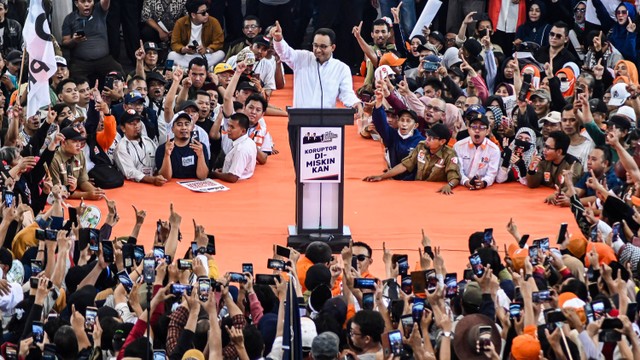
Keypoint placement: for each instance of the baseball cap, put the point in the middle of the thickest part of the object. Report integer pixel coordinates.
(154, 76)
(247, 56)
(117, 75)
(193, 354)
(129, 116)
(553, 117)
(71, 134)
(411, 113)
(438, 36)
(525, 347)
(14, 56)
(188, 104)
(439, 131)
(391, 59)
(620, 122)
(472, 294)
(474, 109)
(262, 40)
(61, 61)
(132, 97)
(245, 85)
(325, 346)
(542, 94)
(222, 67)
(619, 94)
(627, 111)
(473, 46)
(597, 105)
(149, 45)
(308, 331)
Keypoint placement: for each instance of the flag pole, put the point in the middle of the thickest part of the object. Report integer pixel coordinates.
(24, 55)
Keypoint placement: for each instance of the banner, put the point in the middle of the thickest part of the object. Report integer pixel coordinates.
(206, 185)
(320, 154)
(42, 63)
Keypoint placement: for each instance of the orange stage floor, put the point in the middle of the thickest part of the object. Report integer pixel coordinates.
(253, 215)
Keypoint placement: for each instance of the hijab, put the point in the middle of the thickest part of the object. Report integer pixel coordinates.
(632, 70)
(567, 87)
(528, 149)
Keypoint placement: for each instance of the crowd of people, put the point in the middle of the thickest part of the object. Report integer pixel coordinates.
(542, 93)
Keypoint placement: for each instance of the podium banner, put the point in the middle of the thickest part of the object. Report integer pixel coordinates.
(320, 154)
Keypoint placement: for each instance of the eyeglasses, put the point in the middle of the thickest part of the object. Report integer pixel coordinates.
(251, 26)
(580, 10)
(621, 12)
(203, 12)
(547, 147)
(431, 107)
(352, 333)
(361, 257)
(321, 46)
(555, 35)
(479, 127)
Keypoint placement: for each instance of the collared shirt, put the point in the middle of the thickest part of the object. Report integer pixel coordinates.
(482, 161)
(266, 68)
(136, 159)
(441, 166)
(258, 133)
(241, 160)
(64, 163)
(308, 74)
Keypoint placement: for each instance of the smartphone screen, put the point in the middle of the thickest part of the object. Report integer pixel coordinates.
(194, 249)
(138, 253)
(406, 285)
(247, 268)
(211, 244)
(237, 277)
(265, 279)
(37, 329)
(125, 280)
(598, 309)
(488, 237)
(533, 255)
(476, 265)
(158, 252)
(562, 234)
(395, 342)
(160, 354)
(204, 287)
(149, 270)
(367, 301)
(50, 235)
(451, 283)
(417, 309)
(364, 283)
(90, 318)
(8, 197)
(514, 310)
(107, 251)
(36, 267)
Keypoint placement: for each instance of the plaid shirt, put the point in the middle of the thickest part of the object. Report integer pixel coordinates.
(229, 352)
(177, 322)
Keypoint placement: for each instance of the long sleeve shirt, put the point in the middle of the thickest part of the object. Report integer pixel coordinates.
(136, 158)
(317, 85)
(177, 322)
(482, 161)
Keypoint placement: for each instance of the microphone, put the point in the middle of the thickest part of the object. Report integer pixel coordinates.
(321, 89)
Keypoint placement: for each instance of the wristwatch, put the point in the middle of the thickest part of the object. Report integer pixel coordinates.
(448, 334)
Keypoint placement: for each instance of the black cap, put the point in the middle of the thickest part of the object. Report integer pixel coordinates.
(149, 45)
(188, 103)
(439, 131)
(411, 113)
(71, 134)
(129, 116)
(597, 105)
(14, 56)
(155, 76)
(473, 47)
(438, 36)
(245, 85)
(261, 40)
(117, 75)
(620, 122)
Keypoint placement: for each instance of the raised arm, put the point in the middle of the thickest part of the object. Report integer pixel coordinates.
(366, 49)
(171, 94)
(227, 107)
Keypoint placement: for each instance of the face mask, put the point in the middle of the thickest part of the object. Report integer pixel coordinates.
(564, 86)
(405, 137)
(523, 144)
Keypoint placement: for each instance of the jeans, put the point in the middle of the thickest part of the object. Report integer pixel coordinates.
(407, 13)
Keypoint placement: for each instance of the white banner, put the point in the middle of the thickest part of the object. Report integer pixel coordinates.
(42, 62)
(320, 154)
(428, 14)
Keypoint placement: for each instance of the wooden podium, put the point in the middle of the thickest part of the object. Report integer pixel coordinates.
(317, 144)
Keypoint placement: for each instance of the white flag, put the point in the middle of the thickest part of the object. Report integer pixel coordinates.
(42, 63)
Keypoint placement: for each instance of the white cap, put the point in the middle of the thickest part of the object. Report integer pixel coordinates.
(308, 331)
(553, 117)
(61, 61)
(382, 72)
(628, 112)
(619, 94)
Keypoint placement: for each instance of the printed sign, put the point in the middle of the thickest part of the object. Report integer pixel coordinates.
(206, 185)
(320, 154)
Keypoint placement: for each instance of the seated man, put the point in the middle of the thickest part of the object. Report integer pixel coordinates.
(135, 153)
(197, 35)
(598, 164)
(434, 160)
(478, 157)
(67, 91)
(240, 162)
(250, 29)
(548, 171)
(182, 157)
(69, 167)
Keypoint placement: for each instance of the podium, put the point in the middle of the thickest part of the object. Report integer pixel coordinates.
(316, 137)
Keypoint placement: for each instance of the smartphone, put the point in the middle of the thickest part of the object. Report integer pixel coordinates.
(37, 329)
(36, 267)
(211, 245)
(138, 253)
(168, 65)
(367, 301)
(615, 229)
(204, 287)
(265, 279)
(90, 318)
(149, 270)
(562, 234)
(407, 322)
(542, 244)
(40, 235)
(541, 296)
(468, 274)
(180, 289)
(73, 215)
(608, 331)
(90, 236)
(523, 241)
(554, 316)
(160, 354)
(430, 66)
(158, 252)
(533, 255)
(194, 136)
(488, 237)
(395, 342)
(125, 280)
(237, 277)
(276, 264)
(579, 90)
(417, 309)
(598, 308)
(419, 282)
(247, 268)
(108, 82)
(364, 283)
(451, 284)
(403, 263)
(194, 249)
(107, 251)
(514, 310)
(476, 265)
(429, 251)
(283, 251)
(34, 282)
(405, 284)
(524, 90)
(128, 255)
(432, 281)
(11, 352)
(8, 197)
(184, 264)
(50, 235)
(484, 333)
(632, 311)
(354, 262)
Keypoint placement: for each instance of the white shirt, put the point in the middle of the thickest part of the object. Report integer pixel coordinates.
(8, 302)
(266, 68)
(334, 75)
(482, 161)
(582, 151)
(136, 159)
(241, 160)
(196, 31)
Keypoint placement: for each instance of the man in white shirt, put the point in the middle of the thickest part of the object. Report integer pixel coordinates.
(478, 157)
(262, 67)
(135, 153)
(10, 292)
(240, 162)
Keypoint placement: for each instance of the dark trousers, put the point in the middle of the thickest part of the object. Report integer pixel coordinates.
(127, 14)
(95, 69)
(270, 13)
(229, 15)
(350, 15)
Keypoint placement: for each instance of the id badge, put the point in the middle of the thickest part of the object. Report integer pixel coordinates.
(421, 156)
(547, 176)
(147, 171)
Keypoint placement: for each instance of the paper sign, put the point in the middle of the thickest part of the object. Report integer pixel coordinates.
(205, 186)
(428, 14)
(320, 154)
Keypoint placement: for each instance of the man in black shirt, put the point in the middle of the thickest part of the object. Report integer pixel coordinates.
(182, 157)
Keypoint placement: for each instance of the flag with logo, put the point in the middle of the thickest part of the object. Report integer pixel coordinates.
(292, 334)
(42, 62)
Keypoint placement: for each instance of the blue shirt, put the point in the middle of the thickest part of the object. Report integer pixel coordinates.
(613, 182)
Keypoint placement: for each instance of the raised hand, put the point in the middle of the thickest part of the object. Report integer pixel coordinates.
(395, 11)
(356, 30)
(140, 53)
(276, 32)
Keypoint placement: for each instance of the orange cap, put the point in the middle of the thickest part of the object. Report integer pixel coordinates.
(605, 253)
(525, 347)
(391, 59)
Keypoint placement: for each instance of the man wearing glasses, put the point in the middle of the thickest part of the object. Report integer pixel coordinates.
(197, 35)
(556, 53)
(478, 157)
(250, 29)
(547, 171)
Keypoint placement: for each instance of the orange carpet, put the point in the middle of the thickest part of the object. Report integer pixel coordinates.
(253, 215)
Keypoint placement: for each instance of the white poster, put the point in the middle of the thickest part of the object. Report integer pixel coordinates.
(428, 14)
(591, 15)
(320, 154)
(206, 185)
